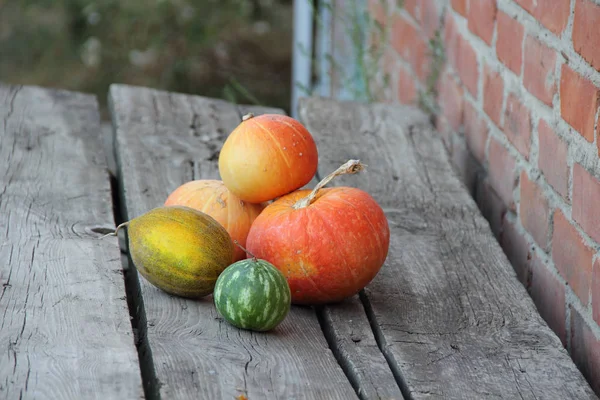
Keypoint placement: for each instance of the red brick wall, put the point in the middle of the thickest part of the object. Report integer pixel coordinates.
(518, 98)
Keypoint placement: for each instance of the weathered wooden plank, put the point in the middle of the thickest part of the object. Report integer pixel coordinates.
(64, 322)
(451, 317)
(164, 139)
(349, 335)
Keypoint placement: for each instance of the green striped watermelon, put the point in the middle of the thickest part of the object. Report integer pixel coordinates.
(252, 294)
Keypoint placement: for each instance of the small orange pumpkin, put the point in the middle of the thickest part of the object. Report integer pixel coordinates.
(329, 243)
(267, 156)
(213, 198)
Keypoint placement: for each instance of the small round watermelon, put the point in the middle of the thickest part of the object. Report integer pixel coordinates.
(252, 294)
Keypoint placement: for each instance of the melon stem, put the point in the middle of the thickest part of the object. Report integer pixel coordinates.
(245, 250)
(116, 230)
(350, 167)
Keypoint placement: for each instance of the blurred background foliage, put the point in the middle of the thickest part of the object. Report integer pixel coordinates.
(239, 50)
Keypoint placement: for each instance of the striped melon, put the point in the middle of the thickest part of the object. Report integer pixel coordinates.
(252, 294)
(179, 249)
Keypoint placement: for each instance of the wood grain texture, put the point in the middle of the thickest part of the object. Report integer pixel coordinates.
(450, 315)
(163, 140)
(350, 336)
(64, 324)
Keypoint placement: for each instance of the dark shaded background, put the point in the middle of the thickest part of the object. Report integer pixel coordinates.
(239, 50)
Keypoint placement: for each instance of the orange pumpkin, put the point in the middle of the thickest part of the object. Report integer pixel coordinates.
(329, 248)
(213, 198)
(267, 156)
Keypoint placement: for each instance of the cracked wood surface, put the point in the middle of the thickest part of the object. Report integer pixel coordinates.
(448, 311)
(350, 336)
(163, 140)
(64, 323)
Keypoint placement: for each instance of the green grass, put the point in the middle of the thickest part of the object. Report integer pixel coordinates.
(239, 50)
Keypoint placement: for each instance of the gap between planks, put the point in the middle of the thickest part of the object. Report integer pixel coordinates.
(135, 301)
(446, 309)
(366, 387)
(151, 379)
(62, 297)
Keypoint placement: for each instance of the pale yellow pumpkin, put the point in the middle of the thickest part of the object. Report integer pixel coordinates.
(213, 198)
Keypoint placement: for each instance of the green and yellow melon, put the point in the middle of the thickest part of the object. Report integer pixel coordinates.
(179, 249)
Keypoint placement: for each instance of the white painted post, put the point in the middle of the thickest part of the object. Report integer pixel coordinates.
(302, 52)
(323, 47)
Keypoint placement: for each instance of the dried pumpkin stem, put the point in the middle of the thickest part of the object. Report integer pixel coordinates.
(350, 167)
(245, 250)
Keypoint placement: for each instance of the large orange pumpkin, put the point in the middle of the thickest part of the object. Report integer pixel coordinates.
(267, 156)
(329, 249)
(213, 198)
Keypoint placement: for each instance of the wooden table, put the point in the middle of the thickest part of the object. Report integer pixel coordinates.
(444, 318)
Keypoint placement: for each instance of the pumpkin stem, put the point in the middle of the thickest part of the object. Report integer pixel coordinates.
(245, 250)
(247, 116)
(350, 167)
(116, 230)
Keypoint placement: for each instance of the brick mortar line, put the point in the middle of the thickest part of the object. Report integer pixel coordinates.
(477, 104)
(568, 32)
(545, 256)
(575, 142)
(589, 150)
(401, 62)
(556, 202)
(534, 141)
(481, 72)
(578, 64)
(579, 149)
(534, 148)
(597, 133)
(586, 315)
(560, 44)
(548, 266)
(590, 300)
(554, 199)
(513, 84)
(571, 299)
(588, 156)
(551, 208)
(408, 16)
(537, 111)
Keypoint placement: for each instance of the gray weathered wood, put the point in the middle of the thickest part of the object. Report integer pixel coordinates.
(164, 139)
(65, 331)
(451, 317)
(348, 332)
